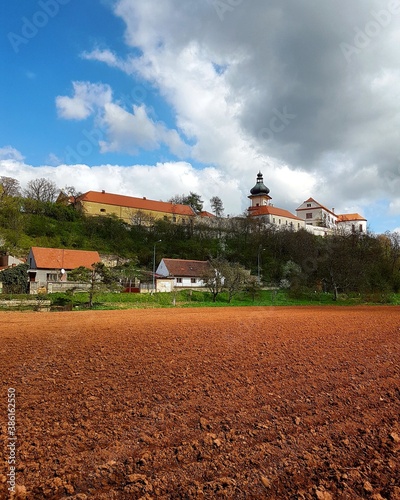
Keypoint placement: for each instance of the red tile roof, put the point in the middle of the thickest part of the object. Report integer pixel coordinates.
(271, 210)
(58, 258)
(137, 203)
(186, 268)
(349, 217)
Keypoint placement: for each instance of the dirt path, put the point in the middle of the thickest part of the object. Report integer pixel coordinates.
(240, 403)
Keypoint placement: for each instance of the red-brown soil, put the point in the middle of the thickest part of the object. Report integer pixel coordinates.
(241, 403)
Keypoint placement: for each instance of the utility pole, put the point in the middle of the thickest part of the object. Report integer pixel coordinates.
(154, 265)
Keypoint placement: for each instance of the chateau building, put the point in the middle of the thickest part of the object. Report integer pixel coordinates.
(262, 208)
(311, 215)
(319, 218)
(138, 211)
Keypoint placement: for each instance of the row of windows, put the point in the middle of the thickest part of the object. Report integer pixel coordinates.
(192, 280)
(286, 222)
(174, 219)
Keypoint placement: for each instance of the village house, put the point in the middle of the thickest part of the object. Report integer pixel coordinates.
(181, 273)
(48, 267)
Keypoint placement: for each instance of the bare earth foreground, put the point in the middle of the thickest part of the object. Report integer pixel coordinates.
(238, 403)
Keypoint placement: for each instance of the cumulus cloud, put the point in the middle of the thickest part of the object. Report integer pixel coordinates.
(132, 131)
(87, 98)
(271, 84)
(10, 153)
(118, 130)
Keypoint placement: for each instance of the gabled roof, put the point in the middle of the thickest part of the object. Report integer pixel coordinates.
(349, 217)
(59, 258)
(204, 213)
(137, 203)
(311, 200)
(271, 210)
(186, 268)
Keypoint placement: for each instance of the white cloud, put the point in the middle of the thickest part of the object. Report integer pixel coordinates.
(87, 98)
(130, 132)
(10, 153)
(228, 78)
(118, 130)
(159, 182)
(108, 57)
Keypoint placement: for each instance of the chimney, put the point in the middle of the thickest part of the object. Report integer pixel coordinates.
(333, 210)
(103, 191)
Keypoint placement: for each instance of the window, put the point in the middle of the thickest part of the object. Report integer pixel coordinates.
(274, 220)
(179, 280)
(308, 215)
(102, 209)
(279, 221)
(51, 276)
(193, 280)
(174, 219)
(361, 228)
(308, 205)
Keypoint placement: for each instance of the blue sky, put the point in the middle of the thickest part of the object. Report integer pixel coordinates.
(155, 99)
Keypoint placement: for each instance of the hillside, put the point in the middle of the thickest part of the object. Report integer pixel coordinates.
(341, 262)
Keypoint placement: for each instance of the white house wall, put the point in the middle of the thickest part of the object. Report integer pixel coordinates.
(187, 283)
(357, 226)
(162, 269)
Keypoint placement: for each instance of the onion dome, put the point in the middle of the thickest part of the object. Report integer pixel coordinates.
(260, 187)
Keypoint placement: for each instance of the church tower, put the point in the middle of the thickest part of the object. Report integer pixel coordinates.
(259, 193)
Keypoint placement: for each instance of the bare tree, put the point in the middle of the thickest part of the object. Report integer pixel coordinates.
(9, 187)
(236, 278)
(213, 278)
(72, 193)
(217, 206)
(41, 190)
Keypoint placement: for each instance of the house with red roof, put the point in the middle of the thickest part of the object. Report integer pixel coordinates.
(183, 273)
(49, 266)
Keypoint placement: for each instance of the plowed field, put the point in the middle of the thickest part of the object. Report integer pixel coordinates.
(240, 403)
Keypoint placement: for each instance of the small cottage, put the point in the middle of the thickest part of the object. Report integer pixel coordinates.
(49, 266)
(184, 273)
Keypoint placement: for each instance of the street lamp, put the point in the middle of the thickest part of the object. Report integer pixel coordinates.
(154, 264)
(260, 249)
